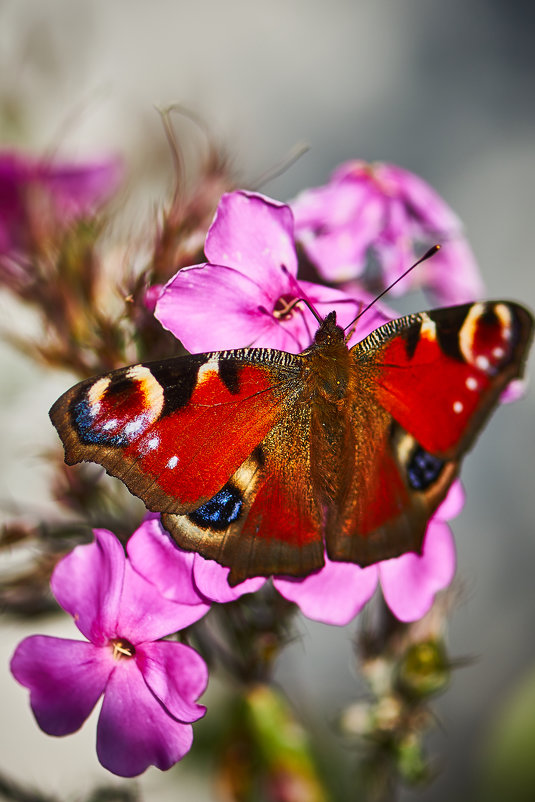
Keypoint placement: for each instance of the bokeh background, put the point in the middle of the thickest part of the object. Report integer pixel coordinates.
(446, 89)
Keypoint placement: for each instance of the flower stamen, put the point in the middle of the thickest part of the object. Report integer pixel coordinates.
(122, 648)
(285, 306)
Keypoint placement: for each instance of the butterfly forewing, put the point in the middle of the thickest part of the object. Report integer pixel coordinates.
(175, 431)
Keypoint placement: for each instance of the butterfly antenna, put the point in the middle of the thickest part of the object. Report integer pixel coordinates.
(308, 304)
(427, 255)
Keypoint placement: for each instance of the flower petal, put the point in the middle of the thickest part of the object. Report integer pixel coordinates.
(212, 581)
(146, 615)
(423, 202)
(253, 234)
(411, 581)
(176, 675)
(79, 188)
(134, 730)
(213, 307)
(452, 276)
(515, 390)
(334, 594)
(88, 584)
(167, 567)
(337, 224)
(65, 678)
(155, 557)
(452, 504)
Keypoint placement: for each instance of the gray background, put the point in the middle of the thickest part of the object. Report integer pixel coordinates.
(443, 88)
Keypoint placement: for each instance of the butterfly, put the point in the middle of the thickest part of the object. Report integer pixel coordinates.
(264, 460)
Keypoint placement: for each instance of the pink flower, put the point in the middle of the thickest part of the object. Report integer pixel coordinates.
(35, 192)
(149, 685)
(153, 554)
(381, 215)
(244, 294)
(336, 593)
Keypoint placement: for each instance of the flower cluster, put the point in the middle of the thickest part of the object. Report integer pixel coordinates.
(246, 292)
(38, 196)
(382, 217)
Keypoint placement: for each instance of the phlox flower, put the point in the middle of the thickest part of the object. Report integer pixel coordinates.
(384, 217)
(149, 686)
(33, 189)
(244, 294)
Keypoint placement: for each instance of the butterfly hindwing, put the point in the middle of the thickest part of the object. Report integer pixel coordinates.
(267, 519)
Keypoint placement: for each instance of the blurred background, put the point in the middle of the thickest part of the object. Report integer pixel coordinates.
(445, 89)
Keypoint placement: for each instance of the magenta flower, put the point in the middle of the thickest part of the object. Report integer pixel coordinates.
(336, 593)
(33, 192)
(244, 294)
(153, 554)
(383, 216)
(149, 685)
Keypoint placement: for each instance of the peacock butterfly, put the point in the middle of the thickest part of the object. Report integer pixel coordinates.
(262, 459)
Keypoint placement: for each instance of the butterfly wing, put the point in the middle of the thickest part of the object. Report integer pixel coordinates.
(424, 386)
(266, 519)
(218, 443)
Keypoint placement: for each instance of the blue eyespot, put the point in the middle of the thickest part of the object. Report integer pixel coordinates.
(423, 469)
(84, 423)
(222, 510)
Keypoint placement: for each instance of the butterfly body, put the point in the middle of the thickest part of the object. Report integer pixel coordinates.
(263, 460)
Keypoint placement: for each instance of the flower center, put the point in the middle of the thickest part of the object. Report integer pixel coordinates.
(122, 648)
(285, 307)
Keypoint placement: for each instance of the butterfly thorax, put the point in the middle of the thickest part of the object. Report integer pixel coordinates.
(327, 363)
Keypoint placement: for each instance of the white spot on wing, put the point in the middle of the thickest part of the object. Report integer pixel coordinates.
(173, 462)
(482, 362)
(471, 383)
(458, 407)
(136, 425)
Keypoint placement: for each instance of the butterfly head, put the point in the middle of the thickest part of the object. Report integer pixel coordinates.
(329, 332)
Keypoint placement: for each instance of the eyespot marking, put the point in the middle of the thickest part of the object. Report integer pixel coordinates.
(486, 336)
(221, 511)
(423, 469)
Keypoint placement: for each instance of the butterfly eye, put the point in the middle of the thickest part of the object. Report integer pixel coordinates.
(423, 469)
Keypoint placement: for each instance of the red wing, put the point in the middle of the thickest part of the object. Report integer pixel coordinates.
(440, 373)
(175, 431)
(266, 519)
(424, 386)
